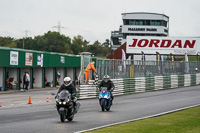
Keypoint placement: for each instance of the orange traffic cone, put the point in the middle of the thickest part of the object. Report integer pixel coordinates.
(47, 99)
(29, 100)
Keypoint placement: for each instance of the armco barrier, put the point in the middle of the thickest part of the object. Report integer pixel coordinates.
(197, 78)
(142, 84)
(174, 81)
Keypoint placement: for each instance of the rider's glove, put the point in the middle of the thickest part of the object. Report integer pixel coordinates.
(111, 89)
(98, 89)
(74, 99)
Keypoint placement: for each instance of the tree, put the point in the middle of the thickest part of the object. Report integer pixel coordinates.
(26, 43)
(107, 43)
(52, 42)
(55, 42)
(7, 42)
(79, 45)
(100, 50)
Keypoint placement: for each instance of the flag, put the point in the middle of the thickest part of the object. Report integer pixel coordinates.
(124, 60)
(186, 63)
(186, 57)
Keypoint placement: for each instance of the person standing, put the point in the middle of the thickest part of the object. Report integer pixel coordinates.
(24, 81)
(27, 79)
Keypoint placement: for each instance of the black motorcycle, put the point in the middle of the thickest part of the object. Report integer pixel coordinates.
(65, 106)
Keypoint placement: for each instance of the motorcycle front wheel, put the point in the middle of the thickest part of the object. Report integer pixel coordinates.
(62, 117)
(103, 106)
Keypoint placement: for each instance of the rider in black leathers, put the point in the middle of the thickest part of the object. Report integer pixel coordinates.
(68, 85)
(107, 83)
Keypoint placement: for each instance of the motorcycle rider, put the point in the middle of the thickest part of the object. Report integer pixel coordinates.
(109, 84)
(68, 85)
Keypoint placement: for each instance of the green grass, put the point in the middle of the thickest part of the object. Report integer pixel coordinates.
(186, 121)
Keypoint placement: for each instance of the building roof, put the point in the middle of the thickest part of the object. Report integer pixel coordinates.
(144, 13)
(117, 54)
(35, 51)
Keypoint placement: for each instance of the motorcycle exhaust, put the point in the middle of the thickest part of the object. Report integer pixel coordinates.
(77, 107)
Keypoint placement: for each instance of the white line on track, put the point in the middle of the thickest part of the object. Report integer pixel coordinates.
(168, 112)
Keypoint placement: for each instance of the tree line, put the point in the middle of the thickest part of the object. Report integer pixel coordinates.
(56, 42)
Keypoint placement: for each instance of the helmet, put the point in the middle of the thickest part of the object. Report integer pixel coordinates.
(67, 81)
(106, 78)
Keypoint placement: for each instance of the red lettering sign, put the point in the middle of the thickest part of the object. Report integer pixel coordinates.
(190, 45)
(162, 43)
(141, 44)
(154, 42)
(165, 43)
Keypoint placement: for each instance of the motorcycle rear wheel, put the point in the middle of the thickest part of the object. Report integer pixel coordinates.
(71, 118)
(108, 109)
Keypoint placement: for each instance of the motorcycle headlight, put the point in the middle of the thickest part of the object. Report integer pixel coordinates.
(64, 103)
(106, 96)
(60, 102)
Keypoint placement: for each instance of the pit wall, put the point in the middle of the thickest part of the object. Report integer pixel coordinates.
(142, 84)
(1, 78)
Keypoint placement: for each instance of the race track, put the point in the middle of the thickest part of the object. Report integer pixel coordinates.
(45, 119)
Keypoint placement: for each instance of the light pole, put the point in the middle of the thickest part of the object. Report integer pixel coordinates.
(23, 42)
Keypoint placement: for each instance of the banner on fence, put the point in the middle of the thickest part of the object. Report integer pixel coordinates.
(163, 45)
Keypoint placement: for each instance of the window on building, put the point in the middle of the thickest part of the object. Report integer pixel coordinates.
(152, 22)
(139, 22)
(126, 22)
(147, 22)
(165, 23)
(132, 22)
(158, 22)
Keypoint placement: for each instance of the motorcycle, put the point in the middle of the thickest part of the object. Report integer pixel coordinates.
(65, 106)
(105, 99)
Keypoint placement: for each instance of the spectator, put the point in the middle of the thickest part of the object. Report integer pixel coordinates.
(27, 79)
(24, 81)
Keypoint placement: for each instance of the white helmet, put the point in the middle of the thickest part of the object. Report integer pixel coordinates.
(67, 81)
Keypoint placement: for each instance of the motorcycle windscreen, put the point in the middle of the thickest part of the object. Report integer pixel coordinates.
(104, 90)
(64, 94)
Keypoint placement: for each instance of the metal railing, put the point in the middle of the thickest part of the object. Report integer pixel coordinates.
(117, 69)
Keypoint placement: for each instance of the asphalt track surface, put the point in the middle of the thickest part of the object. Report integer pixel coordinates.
(45, 119)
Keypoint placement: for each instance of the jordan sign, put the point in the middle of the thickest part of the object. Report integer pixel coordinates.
(163, 45)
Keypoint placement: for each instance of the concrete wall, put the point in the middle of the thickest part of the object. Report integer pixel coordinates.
(78, 69)
(1, 78)
(49, 74)
(13, 74)
(38, 77)
(70, 72)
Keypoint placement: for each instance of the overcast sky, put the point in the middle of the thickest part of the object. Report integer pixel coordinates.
(92, 19)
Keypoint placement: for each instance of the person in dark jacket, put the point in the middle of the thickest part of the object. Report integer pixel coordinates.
(107, 83)
(68, 85)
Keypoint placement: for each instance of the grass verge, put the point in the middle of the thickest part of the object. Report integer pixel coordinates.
(186, 121)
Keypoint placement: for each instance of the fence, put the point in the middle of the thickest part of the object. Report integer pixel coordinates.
(117, 69)
(142, 84)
